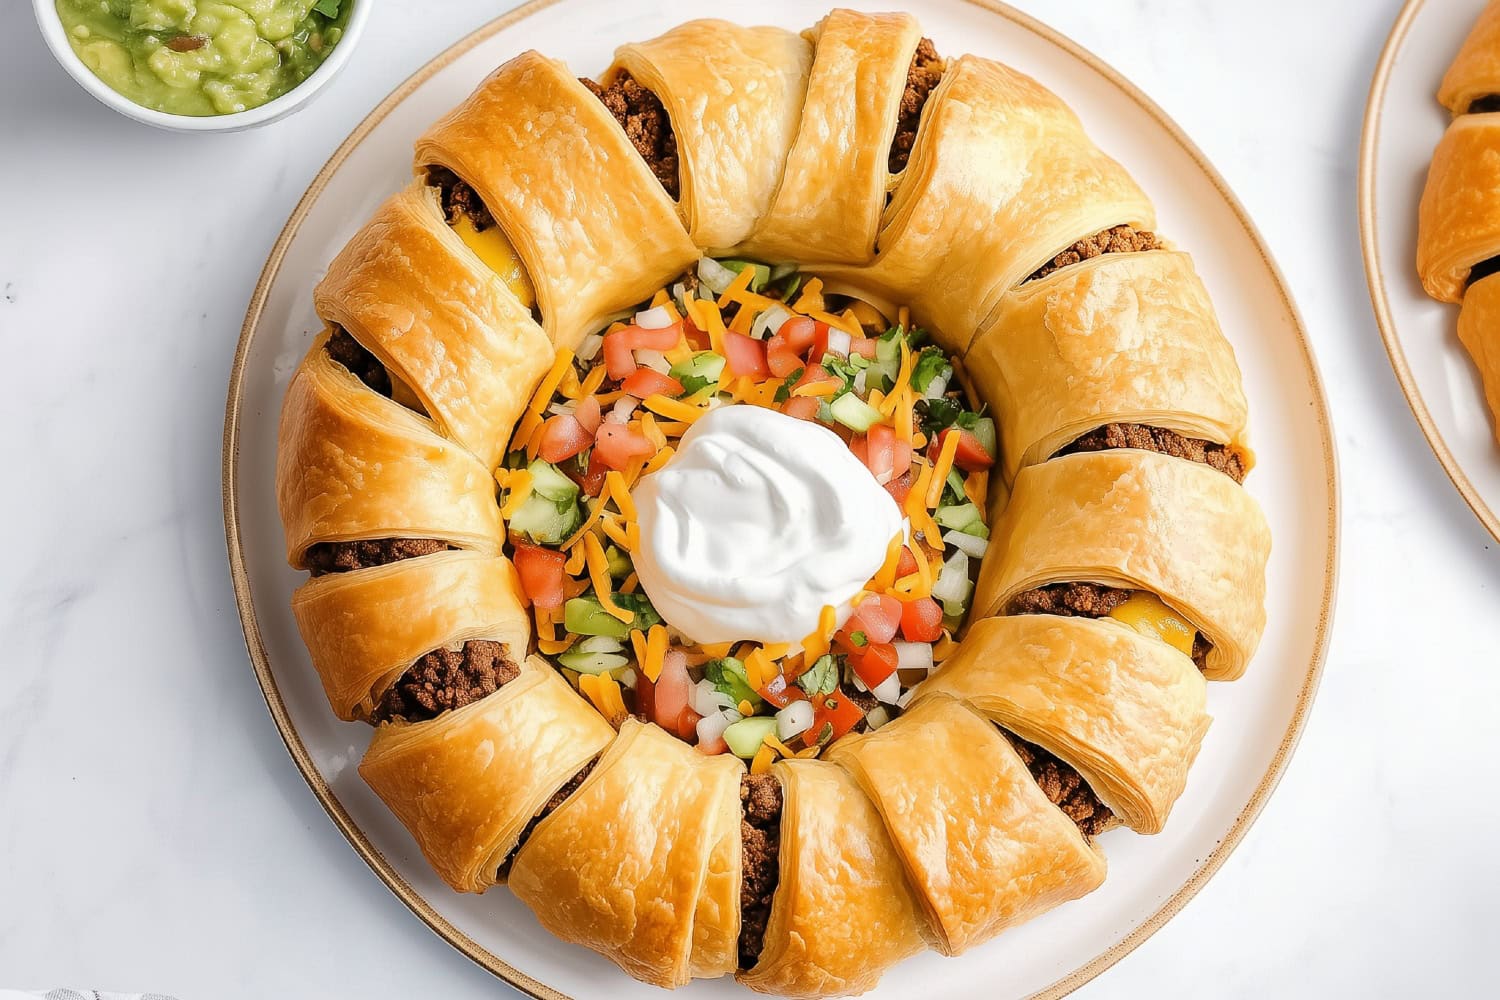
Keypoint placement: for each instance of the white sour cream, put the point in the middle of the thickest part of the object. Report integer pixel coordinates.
(759, 520)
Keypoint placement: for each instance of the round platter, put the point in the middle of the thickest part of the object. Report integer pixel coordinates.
(1257, 719)
(1403, 123)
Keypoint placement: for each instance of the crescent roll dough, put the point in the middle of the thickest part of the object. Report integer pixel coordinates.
(621, 866)
(833, 188)
(1002, 178)
(366, 628)
(1458, 223)
(1127, 712)
(586, 215)
(467, 783)
(734, 96)
(1121, 338)
(352, 465)
(981, 843)
(1142, 521)
(842, 913)
(1479, 331)
(408, 289)
(1476, 71)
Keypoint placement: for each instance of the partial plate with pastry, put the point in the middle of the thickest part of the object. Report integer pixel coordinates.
(805, 508)
(1430, 225)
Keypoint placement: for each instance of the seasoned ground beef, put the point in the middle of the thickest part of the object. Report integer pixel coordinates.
(921, 79)
(458, 199)
(558, 798)
(342, 557)
(1120, 239)
(645, 122)
(1066, 788)
(350, 353)
(864, 699)
(1484, 105)
(446, 679)
(1159, 439)
(1086, 600)
(760, 836)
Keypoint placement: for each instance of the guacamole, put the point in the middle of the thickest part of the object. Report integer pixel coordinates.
(203, 57)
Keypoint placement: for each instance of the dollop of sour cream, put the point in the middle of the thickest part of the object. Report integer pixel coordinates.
(757, 523)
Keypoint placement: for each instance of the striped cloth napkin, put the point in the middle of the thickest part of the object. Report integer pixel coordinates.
(63, 994)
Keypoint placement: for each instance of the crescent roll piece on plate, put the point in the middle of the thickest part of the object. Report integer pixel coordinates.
(622, 866)
(1479, 332)
(555, 171)
(1458, 225)
(983, 846)
(430, 310)
(352, 465)
(1472, 83)
(1121, 339)
(843, 912)
(1139, 527)
(734, 97)
(467, 783)
(1126, 711)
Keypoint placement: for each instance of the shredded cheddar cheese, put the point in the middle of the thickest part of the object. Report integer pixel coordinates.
(941, 469)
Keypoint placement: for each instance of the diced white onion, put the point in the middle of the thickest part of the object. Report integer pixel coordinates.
(715, 275)
(909, 656)
(679, 295)
(937, 387)
(598, 644)
(621, 411)
(627, 678)
(905, 698)
(655, 318)
(655, 360)
(769, 321)
(708, 700)
(878, 717)
(711, 727)
(589, 349)
(794, 720)
(860, 381)
(888, 690)
(562, 407)
(839, 342)
(971, 545)
(953, 582)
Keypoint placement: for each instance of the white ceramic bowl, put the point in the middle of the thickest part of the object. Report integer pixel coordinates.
(297, 98)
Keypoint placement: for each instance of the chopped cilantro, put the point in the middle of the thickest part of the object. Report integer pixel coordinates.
(784, 393)
(695, 383)
(938, 414)
(859, 638)
(640, 604)
(328, 8)
(931, 363)
(729, 677)
(820, 678)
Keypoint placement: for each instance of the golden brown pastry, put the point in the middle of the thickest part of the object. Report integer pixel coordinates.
(1475, 73)
(734, 96)
(1479, 331)
(843, 912)
(833, 190)
(1459, 219)
(351, 465)
(1140, 521)
(589, 220)
(467, 783)
(1089, 345)
(982, 845)
(623, 866)
(433, 313)
(1126, 711)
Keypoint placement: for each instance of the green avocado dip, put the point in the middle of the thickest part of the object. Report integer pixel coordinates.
(203, 57)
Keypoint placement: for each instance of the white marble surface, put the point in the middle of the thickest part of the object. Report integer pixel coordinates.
(154, 834)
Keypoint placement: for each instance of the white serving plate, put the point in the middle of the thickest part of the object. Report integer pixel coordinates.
(1403, 123)
(1257, 720)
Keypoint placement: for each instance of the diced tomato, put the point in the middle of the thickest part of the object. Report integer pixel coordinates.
(671, 692)
(591, 482)
(835, 710)
(921, 620)
(645, 382)
(687, 725)
(715, 748)
(795, 334)
(884, 454)
(562, 438)
(781, 361)
(815, 373)
(541, 573)
(616, 444)
(696, 338)
(863, 346)
(780, 692)
(645, 695)
(820, 343)
(588, 414)
(875, 663)
(745, 356)
(878, 616)
(619, 361)
(859, 446)
(801, 407)
(899, 488)
(970, 456)
(906, 564)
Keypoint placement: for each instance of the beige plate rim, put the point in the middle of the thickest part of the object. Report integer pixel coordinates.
(1375, 277)
(383, 868)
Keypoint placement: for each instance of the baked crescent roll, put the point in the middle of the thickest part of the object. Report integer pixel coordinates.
(983, 846)
(1476, 71)
(621, 867)
(467, 782)
(1479, 331)
(842, 913)
(593, 226)
(1138, 520)
(431, 311)
(734, 96)
(1126, 711)
(352, 465)
(1458, 222)
(365, 628)
(1088, 345)
(1001, 179)
(833, 189)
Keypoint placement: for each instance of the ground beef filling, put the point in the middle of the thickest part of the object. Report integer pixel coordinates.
(458, 199)
(361, 363)
(558, 798)
(1120, 239)
(921, 80)
(1086, 600)
(1066, 788)
(1485, 105)
(343, 557)
(446, 679)
(641, 115)
(1162, 441)
(760, 835)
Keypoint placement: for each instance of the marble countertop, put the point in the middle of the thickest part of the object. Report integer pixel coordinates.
(153, 833)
